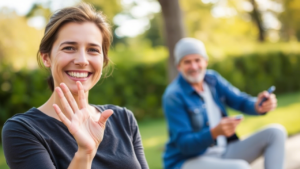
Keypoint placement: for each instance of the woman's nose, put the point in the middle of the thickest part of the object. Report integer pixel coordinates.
(81, 59)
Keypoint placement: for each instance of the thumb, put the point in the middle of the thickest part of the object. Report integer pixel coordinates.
(263, 94)
(104, 116)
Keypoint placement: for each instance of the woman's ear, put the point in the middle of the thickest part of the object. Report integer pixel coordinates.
(46, 59)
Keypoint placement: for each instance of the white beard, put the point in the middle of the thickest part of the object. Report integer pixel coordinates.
(197, 79)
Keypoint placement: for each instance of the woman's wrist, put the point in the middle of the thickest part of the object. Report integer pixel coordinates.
(81, 152)
(83, 159)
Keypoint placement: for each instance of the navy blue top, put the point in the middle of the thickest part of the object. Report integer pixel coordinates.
(185, 111)
(36, 140)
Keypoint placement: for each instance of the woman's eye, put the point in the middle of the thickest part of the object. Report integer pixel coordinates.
(93, 50)
(69, 48)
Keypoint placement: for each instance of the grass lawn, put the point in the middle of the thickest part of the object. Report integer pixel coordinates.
(154, 132)
(2, 160)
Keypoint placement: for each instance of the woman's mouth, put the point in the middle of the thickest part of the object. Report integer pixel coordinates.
(78, 75)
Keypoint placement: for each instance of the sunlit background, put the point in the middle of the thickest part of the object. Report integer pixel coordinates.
(253, 44)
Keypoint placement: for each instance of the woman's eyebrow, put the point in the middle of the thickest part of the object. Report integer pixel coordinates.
(75, 43)
(95, 44)
(68, 42)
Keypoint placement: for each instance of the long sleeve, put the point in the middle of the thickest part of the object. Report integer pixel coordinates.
(22, 149)
(137, 141)
(138, 147)
(235, 98)
(181, 132)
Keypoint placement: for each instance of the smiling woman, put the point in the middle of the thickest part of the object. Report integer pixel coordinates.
(67, 131)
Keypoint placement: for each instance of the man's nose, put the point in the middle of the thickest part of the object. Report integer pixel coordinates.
(194, 65)
(81, 59)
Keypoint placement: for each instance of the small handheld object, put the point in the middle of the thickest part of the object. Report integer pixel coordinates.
(270, 90)
(239, 117)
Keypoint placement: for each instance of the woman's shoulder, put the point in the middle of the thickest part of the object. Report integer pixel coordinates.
(31, 114)
(32, 118)
(19, 125)
(120, 113)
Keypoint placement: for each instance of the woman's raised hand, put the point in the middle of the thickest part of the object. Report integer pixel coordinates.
(87, 132)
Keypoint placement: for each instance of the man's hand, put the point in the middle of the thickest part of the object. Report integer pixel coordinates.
(226, 127)
(268, 105)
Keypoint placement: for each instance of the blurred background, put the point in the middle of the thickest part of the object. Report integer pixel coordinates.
(253, 44)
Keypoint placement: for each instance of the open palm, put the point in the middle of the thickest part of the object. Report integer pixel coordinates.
(87, 132)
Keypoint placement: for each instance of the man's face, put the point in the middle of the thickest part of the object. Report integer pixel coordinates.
(193, 67)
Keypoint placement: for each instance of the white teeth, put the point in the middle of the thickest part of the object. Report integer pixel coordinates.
(78, 74)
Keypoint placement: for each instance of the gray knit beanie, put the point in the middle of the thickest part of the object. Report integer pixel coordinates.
(186, 46)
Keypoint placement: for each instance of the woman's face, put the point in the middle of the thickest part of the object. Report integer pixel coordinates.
(76, 55)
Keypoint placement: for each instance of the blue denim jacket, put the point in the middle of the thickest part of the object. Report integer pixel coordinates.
(185, 112)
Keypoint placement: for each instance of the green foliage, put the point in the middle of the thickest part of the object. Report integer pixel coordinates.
(290, 20)
(40, 10)
(20, 90)
(254, 73)
(109, 8)
(137, 51)
(3, 164)
(154, 33)
(138, 88)
(18, 41)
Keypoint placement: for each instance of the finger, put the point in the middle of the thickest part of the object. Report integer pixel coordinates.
(263, 94)
(226, 120)
(237, 123)
(267, 104)
(228, 126)
(271, 101)
(81, 96)
(266, 109)
(233, 123)
(269, 108)
(230, 118)
(69, 97)
(104, 116)
(272, 98)
(61, 116)
(64, 103)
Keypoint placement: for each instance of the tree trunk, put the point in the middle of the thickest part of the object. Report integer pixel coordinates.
(174, 31)
(256, 16)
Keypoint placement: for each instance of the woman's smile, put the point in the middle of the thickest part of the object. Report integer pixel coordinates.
(79, 75)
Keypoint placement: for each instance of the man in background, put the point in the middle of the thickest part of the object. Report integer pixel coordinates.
(201, 135)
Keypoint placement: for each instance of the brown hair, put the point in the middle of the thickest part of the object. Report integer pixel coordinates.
(81, 13)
